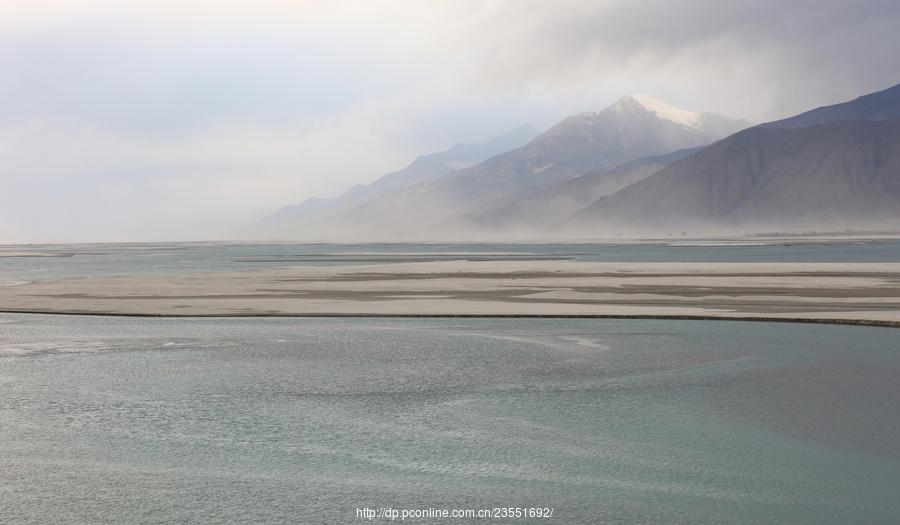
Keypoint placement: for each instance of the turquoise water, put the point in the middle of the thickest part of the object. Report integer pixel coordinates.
(121, 420)
(77, 260)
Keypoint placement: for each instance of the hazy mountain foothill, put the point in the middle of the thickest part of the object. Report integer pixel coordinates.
(546, 208)
(425, 167)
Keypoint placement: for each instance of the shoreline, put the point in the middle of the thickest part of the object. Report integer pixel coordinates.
(662, 317)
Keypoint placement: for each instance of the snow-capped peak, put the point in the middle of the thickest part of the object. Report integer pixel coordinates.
(665, 111)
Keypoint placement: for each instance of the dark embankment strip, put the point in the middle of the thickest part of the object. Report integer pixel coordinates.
(763, 319)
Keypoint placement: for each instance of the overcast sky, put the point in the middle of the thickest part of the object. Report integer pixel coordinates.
(159, 120)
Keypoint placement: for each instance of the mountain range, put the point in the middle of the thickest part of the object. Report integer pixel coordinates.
(634, 127)
(643, 167)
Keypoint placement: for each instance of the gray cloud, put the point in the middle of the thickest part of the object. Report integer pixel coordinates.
(763, 57)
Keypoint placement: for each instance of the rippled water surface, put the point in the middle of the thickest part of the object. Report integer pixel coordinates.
(119, 420)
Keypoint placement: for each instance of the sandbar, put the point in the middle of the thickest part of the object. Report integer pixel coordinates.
(856, 293)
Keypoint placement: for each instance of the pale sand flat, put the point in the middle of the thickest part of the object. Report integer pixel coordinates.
(863, 293)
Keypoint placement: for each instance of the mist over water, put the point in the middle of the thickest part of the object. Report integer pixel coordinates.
(304, 420)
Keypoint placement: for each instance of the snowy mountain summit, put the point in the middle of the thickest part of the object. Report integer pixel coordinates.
(663, 110)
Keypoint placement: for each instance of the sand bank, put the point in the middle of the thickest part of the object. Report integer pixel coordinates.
(865, 293)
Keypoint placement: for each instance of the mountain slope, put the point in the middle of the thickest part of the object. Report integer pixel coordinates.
(634, 127)
(832, 175)
(874, 107)
(422, 168)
